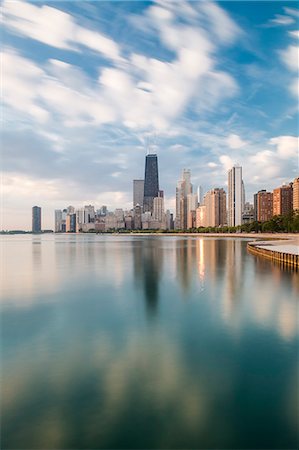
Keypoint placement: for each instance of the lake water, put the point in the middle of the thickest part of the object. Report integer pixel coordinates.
(146, 342)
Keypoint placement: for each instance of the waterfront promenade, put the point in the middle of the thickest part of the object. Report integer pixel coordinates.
(285, 252)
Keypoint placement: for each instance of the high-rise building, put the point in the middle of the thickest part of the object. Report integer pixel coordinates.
(58, 220)
(184, 187)
(138, 192)
(169, 220)
(263, 201)
(89, 214)
(201, 216)
(63, 222)
(151, 182)
(137, 217)
(36, 219)
(296, 194)
(200, 195)
(235, 196)
(70, 223)
(215, 203)
(283, 200)
(158, 209)
(192, 203)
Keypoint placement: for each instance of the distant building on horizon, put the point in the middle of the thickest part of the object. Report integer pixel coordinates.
(236, 194)
(138, 192)
(36, 219)
(58, 221)
(151, 182)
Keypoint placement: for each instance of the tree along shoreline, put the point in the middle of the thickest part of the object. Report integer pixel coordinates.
(288, 223)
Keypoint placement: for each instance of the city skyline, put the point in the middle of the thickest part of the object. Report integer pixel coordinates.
(192, 211)
(204, 85)
(215, 208)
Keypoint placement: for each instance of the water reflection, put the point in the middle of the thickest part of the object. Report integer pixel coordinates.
(148, 264)
(82, 368)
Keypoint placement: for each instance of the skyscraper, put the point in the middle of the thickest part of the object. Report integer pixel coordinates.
(184, 188)
(138, 192)
(192, 203)
(58, 220)
(151, 182)
(36, 219)
(235, 196)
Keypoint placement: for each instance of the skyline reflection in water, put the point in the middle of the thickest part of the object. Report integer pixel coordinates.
(146, 342)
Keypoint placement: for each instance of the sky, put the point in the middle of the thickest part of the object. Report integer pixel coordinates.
(90, 87)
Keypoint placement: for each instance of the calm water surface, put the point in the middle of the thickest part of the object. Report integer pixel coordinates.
(113, 342)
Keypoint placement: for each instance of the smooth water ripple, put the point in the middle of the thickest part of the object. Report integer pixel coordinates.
(146, 342)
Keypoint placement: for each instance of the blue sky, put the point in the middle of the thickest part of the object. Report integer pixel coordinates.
(89, 86)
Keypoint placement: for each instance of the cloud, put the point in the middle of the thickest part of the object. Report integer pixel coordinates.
(282, 20)
(222, 25)
(294, 34)
(291, 11)
(287, 146)
(19, 86)
(226, 161)
(56, 28)
(141, 92)
(235, 142)
(290, 57)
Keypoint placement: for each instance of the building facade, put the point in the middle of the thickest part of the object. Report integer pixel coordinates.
(236, 198)
(215, 211)
(58, 221)
(296, 194)
(138, 192)
(264, 206)
(183, 189)
(151, 182)
(36, 219)
(283, 200)
(201, 216)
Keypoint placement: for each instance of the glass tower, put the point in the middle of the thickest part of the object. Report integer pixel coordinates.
(151, 182)
(36, 219)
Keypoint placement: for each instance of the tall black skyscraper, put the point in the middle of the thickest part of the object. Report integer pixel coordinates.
(36, 219)
(151, 182)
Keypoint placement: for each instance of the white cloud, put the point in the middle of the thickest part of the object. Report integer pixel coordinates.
(19, 86)
(290, 57)
(235, 142)
(226, 161)
(141, 93)
(287, 146)
(294, 88)
(56, 28)
(222, 25)
(282, 20)
(292, 11)
(294, 34)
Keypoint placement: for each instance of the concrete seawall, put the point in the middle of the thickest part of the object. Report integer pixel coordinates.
(286, 253)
